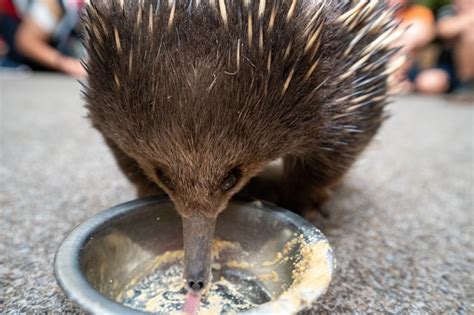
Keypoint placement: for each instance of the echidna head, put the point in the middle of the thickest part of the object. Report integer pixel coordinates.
(201, 173)
(201, 177)
(200, 152)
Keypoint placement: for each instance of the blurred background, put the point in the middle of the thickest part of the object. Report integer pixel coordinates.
(438, 38)
(401, 225)
(41, 35)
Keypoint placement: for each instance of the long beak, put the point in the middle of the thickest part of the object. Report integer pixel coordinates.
(198, 236)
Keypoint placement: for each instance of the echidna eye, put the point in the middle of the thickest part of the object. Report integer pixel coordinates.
(164, 178)
(231, 179)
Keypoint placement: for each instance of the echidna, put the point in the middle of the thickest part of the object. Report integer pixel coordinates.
(196, 97)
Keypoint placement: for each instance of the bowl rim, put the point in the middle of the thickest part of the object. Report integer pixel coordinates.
(77, 288)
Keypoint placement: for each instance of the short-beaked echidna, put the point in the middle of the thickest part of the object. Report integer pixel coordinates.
(196, 97)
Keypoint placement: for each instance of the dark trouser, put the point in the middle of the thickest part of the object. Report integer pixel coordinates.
(446, 63)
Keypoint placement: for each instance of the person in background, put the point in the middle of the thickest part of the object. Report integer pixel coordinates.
(43, 34)
(455, 69)
(418, 30)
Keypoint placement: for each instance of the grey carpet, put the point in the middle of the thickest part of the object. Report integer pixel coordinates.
(401, 226)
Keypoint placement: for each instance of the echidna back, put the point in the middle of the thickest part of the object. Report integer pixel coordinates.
(307, 71)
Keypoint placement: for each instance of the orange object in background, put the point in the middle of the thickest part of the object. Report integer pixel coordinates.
(416, 12)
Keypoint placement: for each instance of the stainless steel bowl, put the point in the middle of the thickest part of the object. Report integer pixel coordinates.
(100, 257)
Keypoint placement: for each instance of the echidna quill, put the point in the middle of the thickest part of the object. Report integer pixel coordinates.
(196, 97)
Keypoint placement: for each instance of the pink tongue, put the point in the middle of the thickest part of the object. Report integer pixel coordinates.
(191, 304)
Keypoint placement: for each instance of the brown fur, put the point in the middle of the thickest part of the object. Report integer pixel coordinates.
(180, 112)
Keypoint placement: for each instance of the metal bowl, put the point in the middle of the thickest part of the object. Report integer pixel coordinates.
(100, 257)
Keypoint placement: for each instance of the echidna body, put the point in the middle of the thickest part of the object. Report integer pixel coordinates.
(196, 97)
